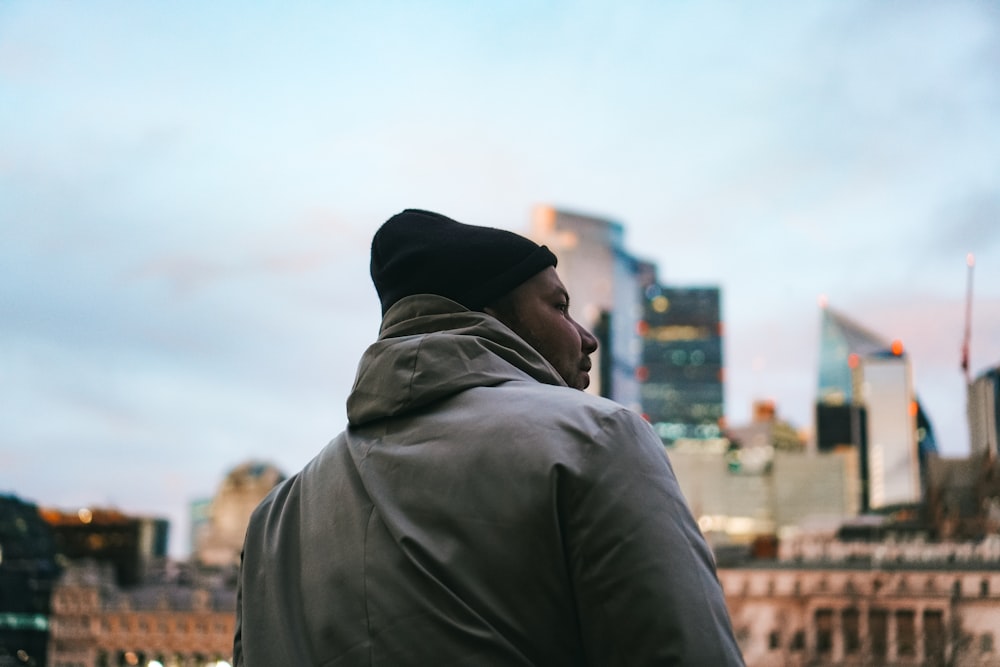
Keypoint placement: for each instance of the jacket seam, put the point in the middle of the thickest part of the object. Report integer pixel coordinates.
(364, 585)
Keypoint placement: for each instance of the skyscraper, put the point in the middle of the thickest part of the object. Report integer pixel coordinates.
(682, 369)
(28, 571)
(984, 413)
(866, 400)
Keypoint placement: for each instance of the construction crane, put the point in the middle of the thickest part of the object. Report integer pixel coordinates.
(970, 261)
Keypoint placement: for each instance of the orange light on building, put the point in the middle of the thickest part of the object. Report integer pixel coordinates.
(641, 373)
(642, 328)
(853, 361)
(914, 408)
(897, 347)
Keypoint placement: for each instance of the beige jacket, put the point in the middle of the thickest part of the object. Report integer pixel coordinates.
(477, 511)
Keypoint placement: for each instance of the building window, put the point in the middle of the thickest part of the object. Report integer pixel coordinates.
(934, 636)
(774, 640)
(984, 588)
(798, 640)
(906, 633)
(824, 630)
(956, 589)
(878, 628)
(986, 642)
(849, 620)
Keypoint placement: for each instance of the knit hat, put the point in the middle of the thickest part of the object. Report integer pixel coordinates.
(420, 252)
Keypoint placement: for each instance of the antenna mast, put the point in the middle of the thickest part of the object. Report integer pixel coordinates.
(970, 260)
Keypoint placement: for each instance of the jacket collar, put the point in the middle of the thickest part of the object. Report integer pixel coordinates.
(430, 348)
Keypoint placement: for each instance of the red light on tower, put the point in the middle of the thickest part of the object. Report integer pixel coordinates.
(897, 348)
(852, 361)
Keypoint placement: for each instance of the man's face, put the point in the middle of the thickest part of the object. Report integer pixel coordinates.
(538, 311)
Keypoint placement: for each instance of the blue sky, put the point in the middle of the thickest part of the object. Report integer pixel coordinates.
(187, 195)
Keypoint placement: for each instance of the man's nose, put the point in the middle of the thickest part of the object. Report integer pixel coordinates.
(588, 342)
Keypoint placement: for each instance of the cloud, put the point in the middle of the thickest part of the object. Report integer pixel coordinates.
(971, 223)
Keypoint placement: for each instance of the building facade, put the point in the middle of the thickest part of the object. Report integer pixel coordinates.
(834, 603)
(682, 364)
(219, 539)
(179, 618)
(737, 504)
(28, 571)
(984, 413)
(127, 543)
(866, 401)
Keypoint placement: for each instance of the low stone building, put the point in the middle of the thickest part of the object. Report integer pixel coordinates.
(825, 602)
(180, 617)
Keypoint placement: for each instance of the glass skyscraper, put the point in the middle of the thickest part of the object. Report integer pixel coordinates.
(681, 374)
(866, 400)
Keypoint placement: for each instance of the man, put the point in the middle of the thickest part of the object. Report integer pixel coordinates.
(479, 510)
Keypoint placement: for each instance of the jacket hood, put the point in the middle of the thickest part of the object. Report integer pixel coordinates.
(430, 348)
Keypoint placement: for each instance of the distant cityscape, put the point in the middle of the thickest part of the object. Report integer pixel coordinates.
(854, 543)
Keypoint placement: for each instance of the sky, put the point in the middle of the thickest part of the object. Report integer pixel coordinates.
(188, 193)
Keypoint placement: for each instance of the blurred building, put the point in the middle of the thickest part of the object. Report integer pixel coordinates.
(200, 522)
(984, 413)
(28, 570)
(739, 495)
(766, 429)
(219, 540)
(681, 373)
(826, 601)
(963, 496)
(178, 616)
(128, 543)
(866, 402)
(661, 346)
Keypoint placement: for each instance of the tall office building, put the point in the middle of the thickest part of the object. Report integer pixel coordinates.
(984, 414)
(28, 571)
(866, 401)
(682, 369)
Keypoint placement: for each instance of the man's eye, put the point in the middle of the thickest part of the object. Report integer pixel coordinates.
(562, 307)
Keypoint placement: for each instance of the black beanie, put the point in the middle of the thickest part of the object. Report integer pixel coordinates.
(420, 252)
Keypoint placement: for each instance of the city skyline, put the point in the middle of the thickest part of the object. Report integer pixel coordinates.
(188, 193)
